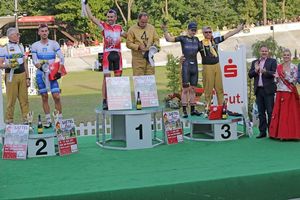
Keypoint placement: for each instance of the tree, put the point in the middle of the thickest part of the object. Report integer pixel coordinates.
(283, 8)
(275, 50)
(7, 7)
(248, 11)
(122, 8)
(173, 74)
(265, 11)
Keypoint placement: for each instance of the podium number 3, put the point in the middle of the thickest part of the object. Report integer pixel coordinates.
(140, 129)
(226, 129)
(40, 150)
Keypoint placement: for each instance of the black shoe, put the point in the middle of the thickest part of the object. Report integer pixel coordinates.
(261, 136)
(104, 105)
(195, 112)
(48, 125)
(185, 115)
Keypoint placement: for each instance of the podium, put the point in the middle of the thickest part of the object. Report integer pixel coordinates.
(203, 129)
(40, 145)
(130, 129)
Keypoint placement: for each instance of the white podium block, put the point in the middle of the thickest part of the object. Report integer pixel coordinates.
(132, 128)
(40, 145)
(226, 131)
(138, 131)
(213, 130)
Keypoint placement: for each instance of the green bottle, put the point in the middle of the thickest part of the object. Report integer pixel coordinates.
(40, 125)
(138, 102)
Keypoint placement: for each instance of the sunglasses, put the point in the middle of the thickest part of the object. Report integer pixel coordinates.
(207, 32)
(194, 30)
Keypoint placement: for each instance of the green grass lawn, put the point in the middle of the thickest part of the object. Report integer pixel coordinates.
(81, 93)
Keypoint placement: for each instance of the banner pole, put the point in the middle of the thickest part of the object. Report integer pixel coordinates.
(2, 125)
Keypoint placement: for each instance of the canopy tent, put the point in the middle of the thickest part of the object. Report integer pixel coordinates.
(32, 22)
(6, 20)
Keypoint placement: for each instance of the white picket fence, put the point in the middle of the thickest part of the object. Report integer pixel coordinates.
(89, 128)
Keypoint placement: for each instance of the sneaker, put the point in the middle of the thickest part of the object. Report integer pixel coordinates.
(185, 115)
(195, 112)
(104, 105)
(48, 125)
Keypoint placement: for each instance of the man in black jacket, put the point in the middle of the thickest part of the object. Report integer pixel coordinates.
(263, 70)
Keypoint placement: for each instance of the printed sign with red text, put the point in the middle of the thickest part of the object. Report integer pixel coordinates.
(15, 142)
(173, 128)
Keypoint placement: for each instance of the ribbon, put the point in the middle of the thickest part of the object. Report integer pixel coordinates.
(83, 9)
(46, 71)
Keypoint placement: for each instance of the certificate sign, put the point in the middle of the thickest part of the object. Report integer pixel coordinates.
(146, 85)
(173, 128)
(66, 136)
(118, 93)
(15, 142)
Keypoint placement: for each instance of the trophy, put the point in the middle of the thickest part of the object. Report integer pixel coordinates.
(30, 119)
(57, 122)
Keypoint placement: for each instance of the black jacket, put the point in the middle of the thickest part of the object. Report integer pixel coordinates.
(267, 77)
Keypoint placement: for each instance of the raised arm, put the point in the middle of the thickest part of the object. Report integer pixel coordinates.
(91, 17)
(233, 32)
(168, 37)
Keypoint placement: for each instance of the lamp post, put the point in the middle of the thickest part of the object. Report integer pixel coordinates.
(272, 29)
(16, 13)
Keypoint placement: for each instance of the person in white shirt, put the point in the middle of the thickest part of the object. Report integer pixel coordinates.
(17, 79)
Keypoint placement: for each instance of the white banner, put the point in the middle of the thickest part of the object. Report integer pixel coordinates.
(1, 104)
(234, 72)
(118, 93)
(146, 85)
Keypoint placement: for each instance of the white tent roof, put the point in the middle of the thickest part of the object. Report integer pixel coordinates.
(5, 20)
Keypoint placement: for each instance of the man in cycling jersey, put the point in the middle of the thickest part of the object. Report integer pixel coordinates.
(189, 70)
(112, 58)
(44, 54)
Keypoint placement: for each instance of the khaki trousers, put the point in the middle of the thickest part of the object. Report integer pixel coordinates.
(212, 79)
(141, 67)
(16, 89)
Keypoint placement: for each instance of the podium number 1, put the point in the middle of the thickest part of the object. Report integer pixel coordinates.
(140, 129)
(44, 144)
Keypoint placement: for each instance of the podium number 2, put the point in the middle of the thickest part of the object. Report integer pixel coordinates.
(140, 129)
(40, 150)
(226, 129)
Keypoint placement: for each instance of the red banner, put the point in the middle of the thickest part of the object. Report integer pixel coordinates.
(67, 146)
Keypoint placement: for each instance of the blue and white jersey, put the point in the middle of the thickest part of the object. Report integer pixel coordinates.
(46, 52)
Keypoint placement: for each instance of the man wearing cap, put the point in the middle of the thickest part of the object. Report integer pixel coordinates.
(211, 74)
(140, 38)
(112, 58)
(17, 80)
(189, 70)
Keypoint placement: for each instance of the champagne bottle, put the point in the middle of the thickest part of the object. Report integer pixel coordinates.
(40, 125)
(224, 110)
(138, 102)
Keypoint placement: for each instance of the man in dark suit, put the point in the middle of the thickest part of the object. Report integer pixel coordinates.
(298, 80)
(263, 70)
